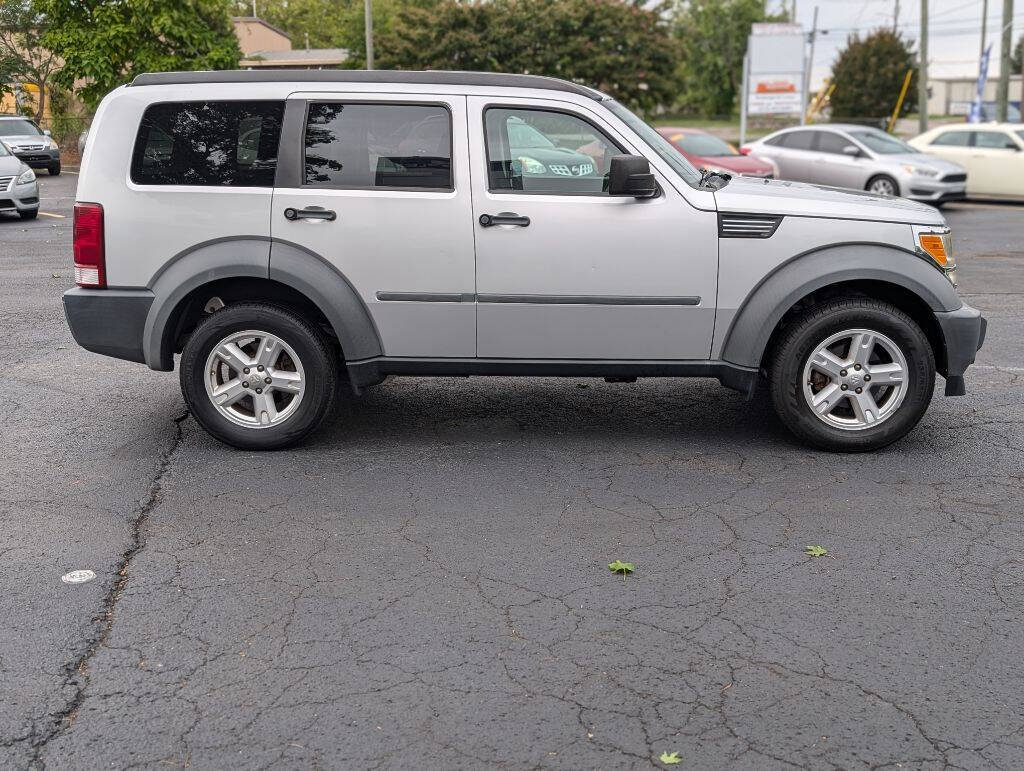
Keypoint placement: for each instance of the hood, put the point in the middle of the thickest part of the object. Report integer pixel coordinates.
(920, 159)
(24, 139)
(11, 166)
(741, 164)
(755, 196)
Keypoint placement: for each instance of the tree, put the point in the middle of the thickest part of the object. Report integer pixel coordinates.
(621, 47)
(23, 57)
(107, 42)
(712, 37)
(1017, 57)
(869, 75)
(332, 23)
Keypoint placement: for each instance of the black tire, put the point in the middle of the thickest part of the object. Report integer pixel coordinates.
(54, 170)
(799, 341)
(28, 214)
(319, 362)
(887, 178)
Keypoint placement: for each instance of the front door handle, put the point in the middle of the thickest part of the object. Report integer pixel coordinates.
(504, 218)
(312, 213)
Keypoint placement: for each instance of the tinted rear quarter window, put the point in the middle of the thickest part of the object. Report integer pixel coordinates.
(208, 143)
(367, 146)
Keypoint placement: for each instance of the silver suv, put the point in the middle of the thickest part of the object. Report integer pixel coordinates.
(293, 235)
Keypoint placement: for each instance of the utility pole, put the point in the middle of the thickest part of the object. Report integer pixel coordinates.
(808, 68)
(896, 17)
(368, 19)
(984, 31)
(922, 73)
(1003, 91)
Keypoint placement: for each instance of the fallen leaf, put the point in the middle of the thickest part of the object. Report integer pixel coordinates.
(815, 551)
(621, 567)
(670, 758)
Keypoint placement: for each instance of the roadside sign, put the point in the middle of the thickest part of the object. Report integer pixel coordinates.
(773, 73)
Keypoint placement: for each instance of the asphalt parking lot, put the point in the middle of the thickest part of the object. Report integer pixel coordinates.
(425, 585)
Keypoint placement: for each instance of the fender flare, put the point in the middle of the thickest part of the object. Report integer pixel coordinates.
(256, 257)
(768, 302)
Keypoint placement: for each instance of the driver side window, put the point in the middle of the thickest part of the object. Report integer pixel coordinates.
(542, 151)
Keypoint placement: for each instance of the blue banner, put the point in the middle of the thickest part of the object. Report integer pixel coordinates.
(975, 115)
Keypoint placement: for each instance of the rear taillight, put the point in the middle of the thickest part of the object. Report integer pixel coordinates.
(90, 259)
(744, 150)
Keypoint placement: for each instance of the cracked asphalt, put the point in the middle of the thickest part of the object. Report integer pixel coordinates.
(425, 584)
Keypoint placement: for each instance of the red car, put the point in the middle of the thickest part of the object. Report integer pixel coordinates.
(707, 151)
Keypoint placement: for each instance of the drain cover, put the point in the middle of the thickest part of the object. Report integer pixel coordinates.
(78, 576)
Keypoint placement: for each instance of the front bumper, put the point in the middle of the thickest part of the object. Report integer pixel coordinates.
(963, 331)
(109, 321)
(933, 190)
(38, 159)
(18, 198)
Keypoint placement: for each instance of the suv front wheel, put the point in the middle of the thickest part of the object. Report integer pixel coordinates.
(258, 377)
(852, 375)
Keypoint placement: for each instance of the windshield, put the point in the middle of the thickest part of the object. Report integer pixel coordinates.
(13, 128)
(524, 135)
(704, 145)
(658, 143)
(881, 143)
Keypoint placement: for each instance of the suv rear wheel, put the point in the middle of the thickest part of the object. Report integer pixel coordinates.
(852, 375)
(258, 377)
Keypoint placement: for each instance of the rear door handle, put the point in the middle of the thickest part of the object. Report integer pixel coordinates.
(504, 218)
(312, 213)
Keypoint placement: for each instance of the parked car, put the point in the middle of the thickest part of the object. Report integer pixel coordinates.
(327, 235)
(31, 144)
(706, 151)
(19, 192)
(862, 158)
(992, 153)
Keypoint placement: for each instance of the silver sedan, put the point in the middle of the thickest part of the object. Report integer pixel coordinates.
(19, 192)
(861, 158)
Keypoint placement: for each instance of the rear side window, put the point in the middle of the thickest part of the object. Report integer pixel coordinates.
(799, 140)
(208, 143)
(367, 146)
(953, 139)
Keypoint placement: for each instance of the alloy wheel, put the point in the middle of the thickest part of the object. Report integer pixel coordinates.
(254, 379)
(882, 186)
(855, 379)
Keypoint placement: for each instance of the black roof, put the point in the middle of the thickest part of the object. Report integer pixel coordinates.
(448, 78)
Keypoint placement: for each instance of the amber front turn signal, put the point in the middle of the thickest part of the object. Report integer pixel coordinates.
(935, 245)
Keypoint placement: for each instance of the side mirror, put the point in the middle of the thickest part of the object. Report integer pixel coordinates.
(853, 152)
(631, 175)
(46, 132)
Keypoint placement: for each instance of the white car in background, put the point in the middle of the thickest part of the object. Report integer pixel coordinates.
(992, 153)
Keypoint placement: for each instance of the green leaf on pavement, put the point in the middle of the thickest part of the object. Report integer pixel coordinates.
(815, 551)
(621, 567)
(670, 758)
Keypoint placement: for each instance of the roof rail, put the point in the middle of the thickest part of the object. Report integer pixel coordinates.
(429, 77)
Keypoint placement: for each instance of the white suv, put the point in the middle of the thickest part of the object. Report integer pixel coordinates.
(288, 232)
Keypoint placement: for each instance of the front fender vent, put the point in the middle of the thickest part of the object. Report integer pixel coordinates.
(747, 225)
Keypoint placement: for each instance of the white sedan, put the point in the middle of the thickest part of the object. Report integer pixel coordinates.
(992, 153)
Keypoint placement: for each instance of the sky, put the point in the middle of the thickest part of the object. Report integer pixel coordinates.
(954, 37)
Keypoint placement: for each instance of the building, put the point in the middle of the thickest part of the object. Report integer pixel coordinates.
(264, 46)
(954, 96)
